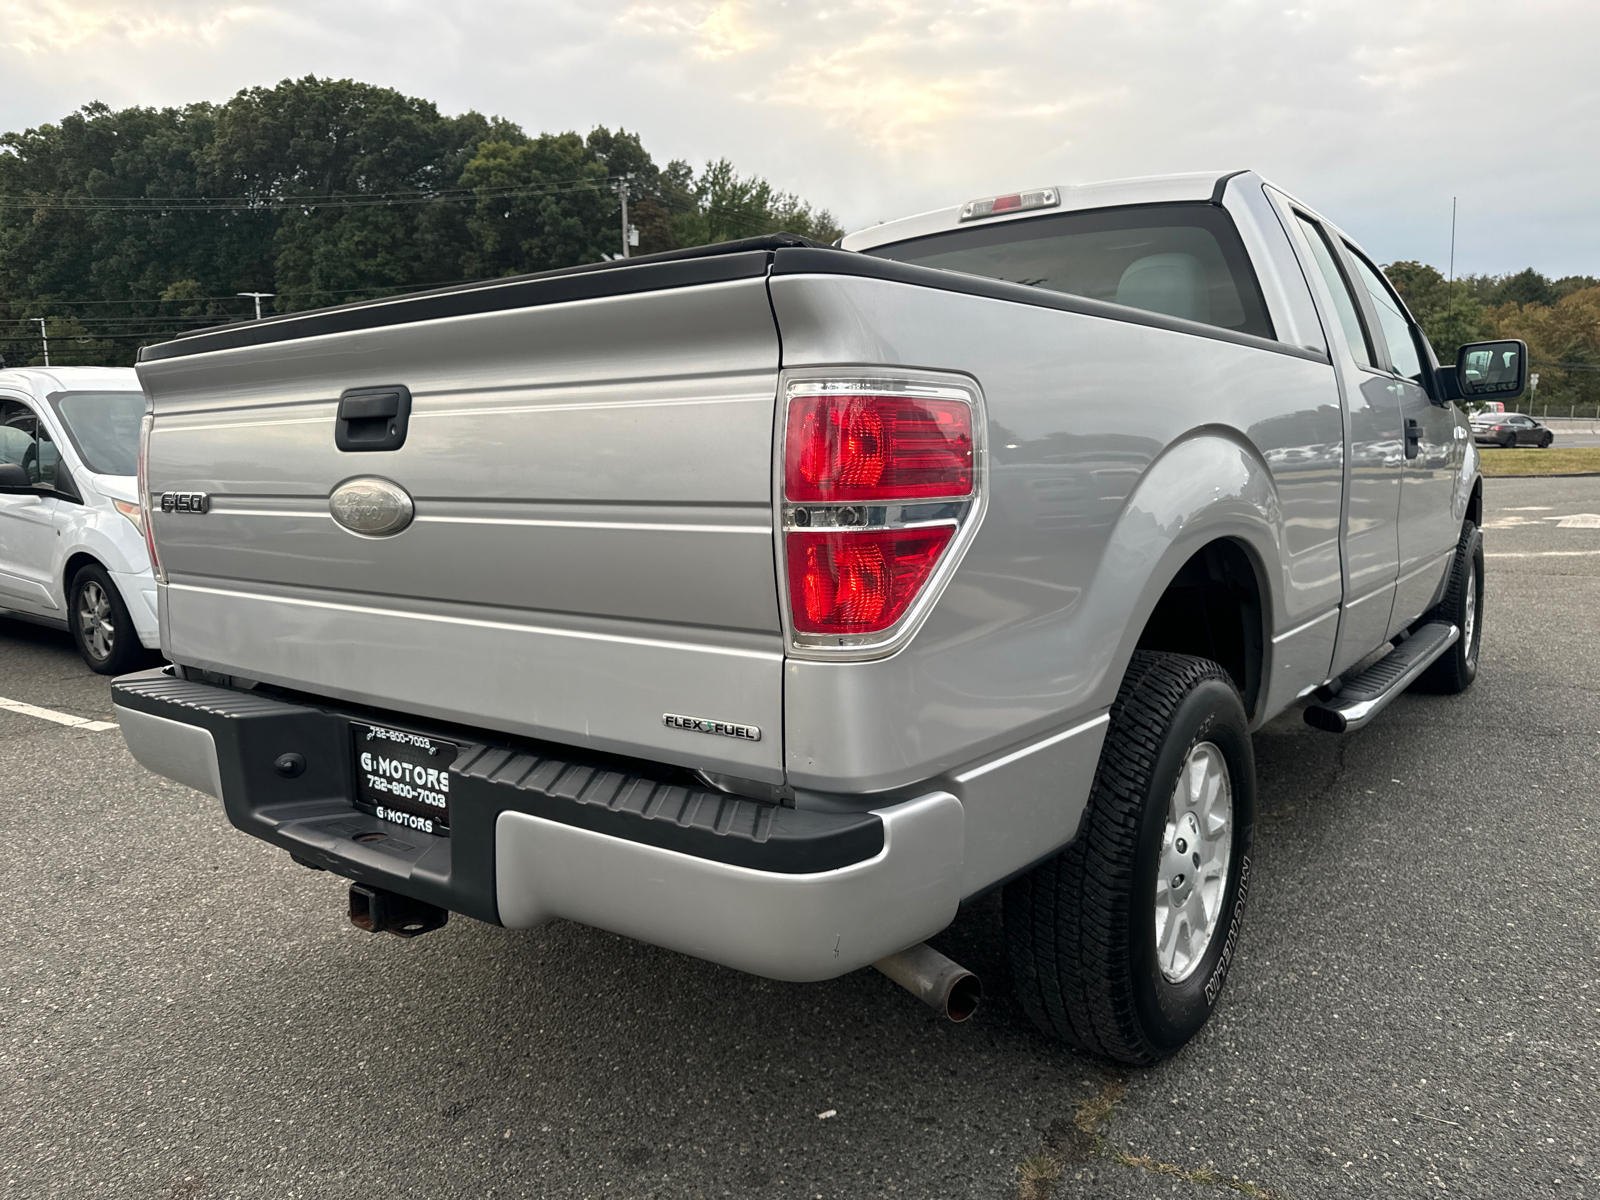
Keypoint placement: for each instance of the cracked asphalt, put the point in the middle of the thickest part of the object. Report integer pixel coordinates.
(186, 1015)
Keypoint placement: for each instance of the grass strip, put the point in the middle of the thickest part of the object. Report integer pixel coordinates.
(1573, 460)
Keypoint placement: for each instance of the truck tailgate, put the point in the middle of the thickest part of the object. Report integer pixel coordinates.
(592, 548)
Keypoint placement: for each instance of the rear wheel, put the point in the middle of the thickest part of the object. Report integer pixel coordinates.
(1508, 441)
(1121, 943)
(1462, 606)
(101, 625)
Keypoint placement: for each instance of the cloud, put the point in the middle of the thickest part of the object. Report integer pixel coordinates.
(890, 108)
(1376, 111)
(47, 27)
(711, 31)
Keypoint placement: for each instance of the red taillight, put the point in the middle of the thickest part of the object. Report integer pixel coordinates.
(844, 583)
(857, 447)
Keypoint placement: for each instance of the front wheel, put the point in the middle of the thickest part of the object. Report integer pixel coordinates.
(101, 625)
(1544, 442)
(1462, 607)
(1121, 943)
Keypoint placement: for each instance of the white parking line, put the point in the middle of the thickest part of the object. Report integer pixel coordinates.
(1543, 554)
(50, 714)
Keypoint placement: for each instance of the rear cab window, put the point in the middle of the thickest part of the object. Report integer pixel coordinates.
(1180, 260)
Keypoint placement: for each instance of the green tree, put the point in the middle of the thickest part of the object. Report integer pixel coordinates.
(541, 203)
(126, 226)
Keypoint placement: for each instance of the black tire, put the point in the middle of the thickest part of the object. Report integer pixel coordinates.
(94, 600)
(1458, 666)
(1511, 441)
(1544, 442)
(1080, 928)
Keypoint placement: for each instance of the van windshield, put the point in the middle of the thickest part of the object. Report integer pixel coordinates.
(104, 426)
(1183, 260)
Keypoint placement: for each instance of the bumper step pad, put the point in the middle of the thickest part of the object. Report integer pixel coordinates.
(311, 814)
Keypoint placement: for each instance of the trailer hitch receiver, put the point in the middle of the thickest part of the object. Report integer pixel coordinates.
(380, 911)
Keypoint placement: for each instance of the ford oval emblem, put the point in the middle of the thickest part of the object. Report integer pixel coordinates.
(375, 507)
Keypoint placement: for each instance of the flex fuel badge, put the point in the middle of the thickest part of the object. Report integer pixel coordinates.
(748, 733)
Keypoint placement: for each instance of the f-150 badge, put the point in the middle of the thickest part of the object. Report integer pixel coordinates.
(373, 506)
(185, 502)
(749, 733)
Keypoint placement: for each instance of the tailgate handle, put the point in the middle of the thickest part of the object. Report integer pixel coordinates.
(373, 418)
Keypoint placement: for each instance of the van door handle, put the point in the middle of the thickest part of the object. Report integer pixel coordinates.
(373, 418)
(1413, 437)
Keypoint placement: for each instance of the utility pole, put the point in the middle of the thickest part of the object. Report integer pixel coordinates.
(622, 192)
(44, 336)
(259, 296)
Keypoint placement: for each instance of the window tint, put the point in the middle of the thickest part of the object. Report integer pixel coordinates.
(1183, 260)
(105, 428)
(1391, 319)
(1343, 302)
(25, 442)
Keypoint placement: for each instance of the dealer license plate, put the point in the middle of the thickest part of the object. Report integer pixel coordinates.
(403, 777)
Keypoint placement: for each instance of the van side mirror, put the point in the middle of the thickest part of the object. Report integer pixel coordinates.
(14, 481)
(1490, 371)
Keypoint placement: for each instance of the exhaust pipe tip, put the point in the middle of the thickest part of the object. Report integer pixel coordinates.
(942, 984)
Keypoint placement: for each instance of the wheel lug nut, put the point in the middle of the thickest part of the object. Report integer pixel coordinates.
(1177, 881)
(1183, 846)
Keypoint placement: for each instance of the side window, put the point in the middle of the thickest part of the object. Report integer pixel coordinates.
(1343, 301)
(24, 441)
(1391, 318)
(17, 442)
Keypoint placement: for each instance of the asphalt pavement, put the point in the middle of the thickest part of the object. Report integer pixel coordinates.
(186, 1015)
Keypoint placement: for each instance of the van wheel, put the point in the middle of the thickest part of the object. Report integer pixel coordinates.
(101, 625)
(1120, 944)
(1462, 606)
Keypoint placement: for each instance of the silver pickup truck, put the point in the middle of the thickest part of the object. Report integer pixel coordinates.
(771, 601)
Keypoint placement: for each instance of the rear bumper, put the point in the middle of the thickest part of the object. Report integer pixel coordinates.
(787, 893)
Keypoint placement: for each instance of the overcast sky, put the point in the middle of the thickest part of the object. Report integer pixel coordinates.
(1376, 112)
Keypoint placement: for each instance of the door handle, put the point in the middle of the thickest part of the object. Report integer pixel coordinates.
(1413, 437)
(373, 418)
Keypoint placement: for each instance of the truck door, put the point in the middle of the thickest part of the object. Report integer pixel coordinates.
(1429, 528)
(1373, 460)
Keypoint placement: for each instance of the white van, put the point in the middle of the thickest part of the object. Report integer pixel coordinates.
(72, 547)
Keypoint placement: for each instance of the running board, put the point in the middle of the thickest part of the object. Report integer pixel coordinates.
(1365, 695)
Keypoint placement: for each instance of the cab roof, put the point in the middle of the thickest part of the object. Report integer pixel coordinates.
(1113, 193)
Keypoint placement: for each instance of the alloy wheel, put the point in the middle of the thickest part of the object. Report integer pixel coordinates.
(1196, 848)
(94, 620)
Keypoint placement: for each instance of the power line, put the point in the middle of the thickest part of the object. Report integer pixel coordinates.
(377, 287)
(170, 205)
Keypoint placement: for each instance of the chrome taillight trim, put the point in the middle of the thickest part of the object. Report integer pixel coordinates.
(965, 512)
(145, 507)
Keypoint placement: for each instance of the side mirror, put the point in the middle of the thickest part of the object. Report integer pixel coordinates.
(1491, 370)
(14, 481)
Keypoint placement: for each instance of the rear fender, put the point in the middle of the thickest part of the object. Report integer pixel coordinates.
(1206, 487)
